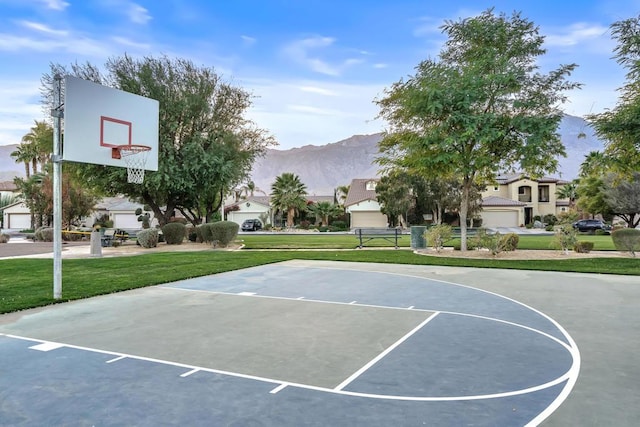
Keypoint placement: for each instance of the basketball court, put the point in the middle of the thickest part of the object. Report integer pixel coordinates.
(295, 343)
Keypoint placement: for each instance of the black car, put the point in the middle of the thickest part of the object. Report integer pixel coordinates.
(591, 225)
(251, 225)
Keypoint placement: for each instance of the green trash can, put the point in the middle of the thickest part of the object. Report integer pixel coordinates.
(417, 237)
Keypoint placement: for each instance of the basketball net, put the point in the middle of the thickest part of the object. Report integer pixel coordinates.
(135, 158)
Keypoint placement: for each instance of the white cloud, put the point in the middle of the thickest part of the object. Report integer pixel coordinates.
(19, 107)
(313, 110)
(577, 34)
(43, 28)
(318, 90)
(380, 65)
(138, 14)
(300, 51)
(130, 43)
(247, 40)
(56, 4)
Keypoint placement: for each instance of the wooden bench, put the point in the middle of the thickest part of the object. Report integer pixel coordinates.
(391, 235)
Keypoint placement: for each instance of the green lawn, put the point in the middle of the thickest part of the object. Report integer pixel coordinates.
(350, 241)
(27, 283)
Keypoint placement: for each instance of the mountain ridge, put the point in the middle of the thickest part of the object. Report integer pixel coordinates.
(322, 168)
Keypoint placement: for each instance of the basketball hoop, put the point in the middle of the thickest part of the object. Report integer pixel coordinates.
(135, 158)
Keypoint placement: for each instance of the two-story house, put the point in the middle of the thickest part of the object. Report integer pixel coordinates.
(515, 199)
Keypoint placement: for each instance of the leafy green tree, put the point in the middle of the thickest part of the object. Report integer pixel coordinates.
(324, 210)
(591, 196)
(483, 107)
(288, 195)
(620, 127)
(395, 195)
(206, 144)
(31, 192)
(623, 197)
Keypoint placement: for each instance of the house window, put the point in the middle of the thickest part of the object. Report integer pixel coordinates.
(524, 193)
(496, 188)
(543, 193)
(371, 185)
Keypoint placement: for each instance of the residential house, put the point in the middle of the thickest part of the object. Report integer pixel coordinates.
(515, 199)
(16, 216)
(362, 204)
(121, 211)
(249, 208)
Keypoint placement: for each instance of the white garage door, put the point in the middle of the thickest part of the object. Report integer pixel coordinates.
(499, 219)
(18, 221)
(368, 219)
(126, 221)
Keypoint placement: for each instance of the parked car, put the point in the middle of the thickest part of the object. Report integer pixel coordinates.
(251, 225)
(591, 225)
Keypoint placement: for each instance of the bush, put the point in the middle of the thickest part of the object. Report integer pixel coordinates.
(339, 225)
(565, 237)
(219, 233)
(583, 247)
(627, 240)
(437, 235)
(148, 238)
(549, 227)
(174, 233)
(484, 240)
(305, 224)
(509, 242)
(4, 238)
(44, 234)
(550, 219)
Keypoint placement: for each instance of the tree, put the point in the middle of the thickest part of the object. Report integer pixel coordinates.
(324, 210)
(482, 108)
(395, 196)
(591, 196)
(206, 145)
(620, 127)
(341, 194)
(22, 154)
(288, 195)
(569, 191)
(623, 197)
(40, 144)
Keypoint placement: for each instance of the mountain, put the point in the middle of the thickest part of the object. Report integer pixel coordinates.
(8, 167)
(325, 167)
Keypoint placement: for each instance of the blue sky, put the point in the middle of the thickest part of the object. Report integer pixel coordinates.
(315, 66)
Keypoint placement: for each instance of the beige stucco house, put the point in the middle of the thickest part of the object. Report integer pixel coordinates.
(362, 204)
(514, 200)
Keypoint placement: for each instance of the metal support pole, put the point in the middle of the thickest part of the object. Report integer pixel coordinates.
(57, 113)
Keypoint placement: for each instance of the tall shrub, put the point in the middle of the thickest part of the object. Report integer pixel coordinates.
(174, 233)
(627, 240)
(437, 235)
(223, 232)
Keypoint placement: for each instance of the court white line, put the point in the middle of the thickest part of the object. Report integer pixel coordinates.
(279, 388)
(46, 346)
(186, 374)
(246, 293)
(116, 359)
(384, 353)
(559, 380)
(352, 302)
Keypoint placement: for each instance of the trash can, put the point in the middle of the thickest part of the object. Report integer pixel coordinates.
(417, 237)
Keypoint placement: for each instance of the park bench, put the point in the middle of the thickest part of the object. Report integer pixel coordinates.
(389, 234)
(113, 234)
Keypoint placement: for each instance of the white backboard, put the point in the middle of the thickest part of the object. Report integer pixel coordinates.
(98, 118)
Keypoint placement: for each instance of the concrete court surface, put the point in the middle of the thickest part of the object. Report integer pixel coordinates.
(598, 312)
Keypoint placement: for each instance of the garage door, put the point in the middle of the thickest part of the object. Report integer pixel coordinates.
(18, 221)
(499, 219)
(368, 219)
(126, 221)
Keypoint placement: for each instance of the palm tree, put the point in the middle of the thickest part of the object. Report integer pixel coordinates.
(595, 163)
(22, 155)
(324, 210)
(568, 191)
(287, 195)
(341, 194)
(40, 144)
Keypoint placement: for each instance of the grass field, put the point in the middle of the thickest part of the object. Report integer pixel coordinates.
(27, 283)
